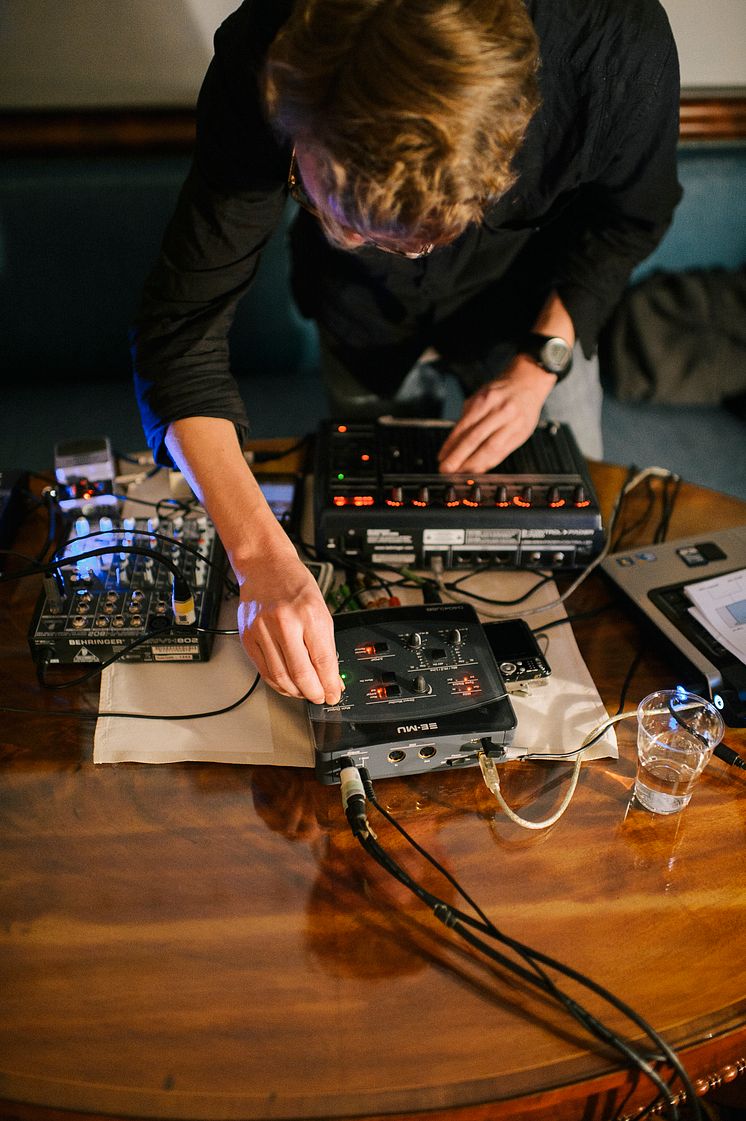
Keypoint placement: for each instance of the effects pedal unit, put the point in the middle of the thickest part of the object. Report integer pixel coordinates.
(104, 604)
(422, 692)
(379, 497)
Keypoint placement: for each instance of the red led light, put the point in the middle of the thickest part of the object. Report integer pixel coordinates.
(393, 502)
(362, 500)
(583, 502)
(455, 502)
(468, 502)
(365, 457)
(556, 505)
(418, 502)
(518, 501)
(341, 428)
(340, 500)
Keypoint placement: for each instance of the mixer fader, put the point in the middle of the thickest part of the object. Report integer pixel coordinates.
(101, 605)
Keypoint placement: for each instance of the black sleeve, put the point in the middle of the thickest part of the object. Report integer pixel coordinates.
(622, 213)
(230, 204)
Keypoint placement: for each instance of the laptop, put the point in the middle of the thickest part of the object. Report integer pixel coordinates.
(654, 577)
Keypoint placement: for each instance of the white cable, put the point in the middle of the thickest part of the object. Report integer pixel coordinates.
(491, 778)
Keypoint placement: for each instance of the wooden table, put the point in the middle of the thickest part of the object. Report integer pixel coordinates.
(209, 941)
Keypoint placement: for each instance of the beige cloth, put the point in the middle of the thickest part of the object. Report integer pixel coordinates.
(269, 729)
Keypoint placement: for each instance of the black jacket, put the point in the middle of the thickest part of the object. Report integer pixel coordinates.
(596, 190)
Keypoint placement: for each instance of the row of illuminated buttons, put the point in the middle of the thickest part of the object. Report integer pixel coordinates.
(527, 497)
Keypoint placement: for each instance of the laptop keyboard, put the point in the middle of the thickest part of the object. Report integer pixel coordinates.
(674, 603)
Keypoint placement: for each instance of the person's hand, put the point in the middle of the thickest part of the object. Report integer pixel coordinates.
(287, 630)
(497, 419)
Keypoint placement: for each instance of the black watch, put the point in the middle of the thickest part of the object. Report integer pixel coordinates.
(550, 352)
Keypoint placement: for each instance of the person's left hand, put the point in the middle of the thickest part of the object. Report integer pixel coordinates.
(497, 419)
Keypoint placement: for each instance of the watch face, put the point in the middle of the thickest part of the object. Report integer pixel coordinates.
(556, 354)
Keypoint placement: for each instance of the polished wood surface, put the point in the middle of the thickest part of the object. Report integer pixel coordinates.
(209, 941)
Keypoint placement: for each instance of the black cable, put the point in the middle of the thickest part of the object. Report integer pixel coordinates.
(458, 922)
(168, 539)
(455, 586)
(185, 715)
(82, 714)
(94, 671)
(50, 567)
(577, 617)
(534, 956)
(269, 456)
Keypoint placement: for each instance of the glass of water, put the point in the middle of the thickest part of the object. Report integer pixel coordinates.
(677, 732)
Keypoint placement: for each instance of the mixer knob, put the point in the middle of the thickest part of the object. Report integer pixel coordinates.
(423, 497)
(420, 685)
(414, 640)
(580, 498)
(475, 495)
(501, 495)
(554, 498)
(455, 637)
(449, 496)
(525, 498)
(396, 497)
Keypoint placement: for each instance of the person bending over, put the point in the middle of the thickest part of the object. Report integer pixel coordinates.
(474, 178)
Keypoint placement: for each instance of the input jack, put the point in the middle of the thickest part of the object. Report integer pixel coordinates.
(427, 752)
(397, 755)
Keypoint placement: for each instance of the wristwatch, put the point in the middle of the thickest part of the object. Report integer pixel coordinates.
(550, 352)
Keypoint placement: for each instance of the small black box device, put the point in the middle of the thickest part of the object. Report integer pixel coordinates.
(517, 653)
(422, 692)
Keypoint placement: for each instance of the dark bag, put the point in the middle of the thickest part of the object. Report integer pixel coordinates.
(680, 338)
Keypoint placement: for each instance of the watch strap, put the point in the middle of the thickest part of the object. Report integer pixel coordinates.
(538, 347)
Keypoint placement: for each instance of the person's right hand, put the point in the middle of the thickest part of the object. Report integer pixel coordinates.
(286, 629)
(283, 621)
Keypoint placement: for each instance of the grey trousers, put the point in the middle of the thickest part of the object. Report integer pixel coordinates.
(429, 387)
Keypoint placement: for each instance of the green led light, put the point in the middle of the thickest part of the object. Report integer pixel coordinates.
(340, 475)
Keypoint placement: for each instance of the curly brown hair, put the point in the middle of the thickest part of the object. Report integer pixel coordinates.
(414, 109)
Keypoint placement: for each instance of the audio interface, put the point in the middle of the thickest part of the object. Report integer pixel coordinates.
(379, 497)
(102, 605)
(422, 692)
